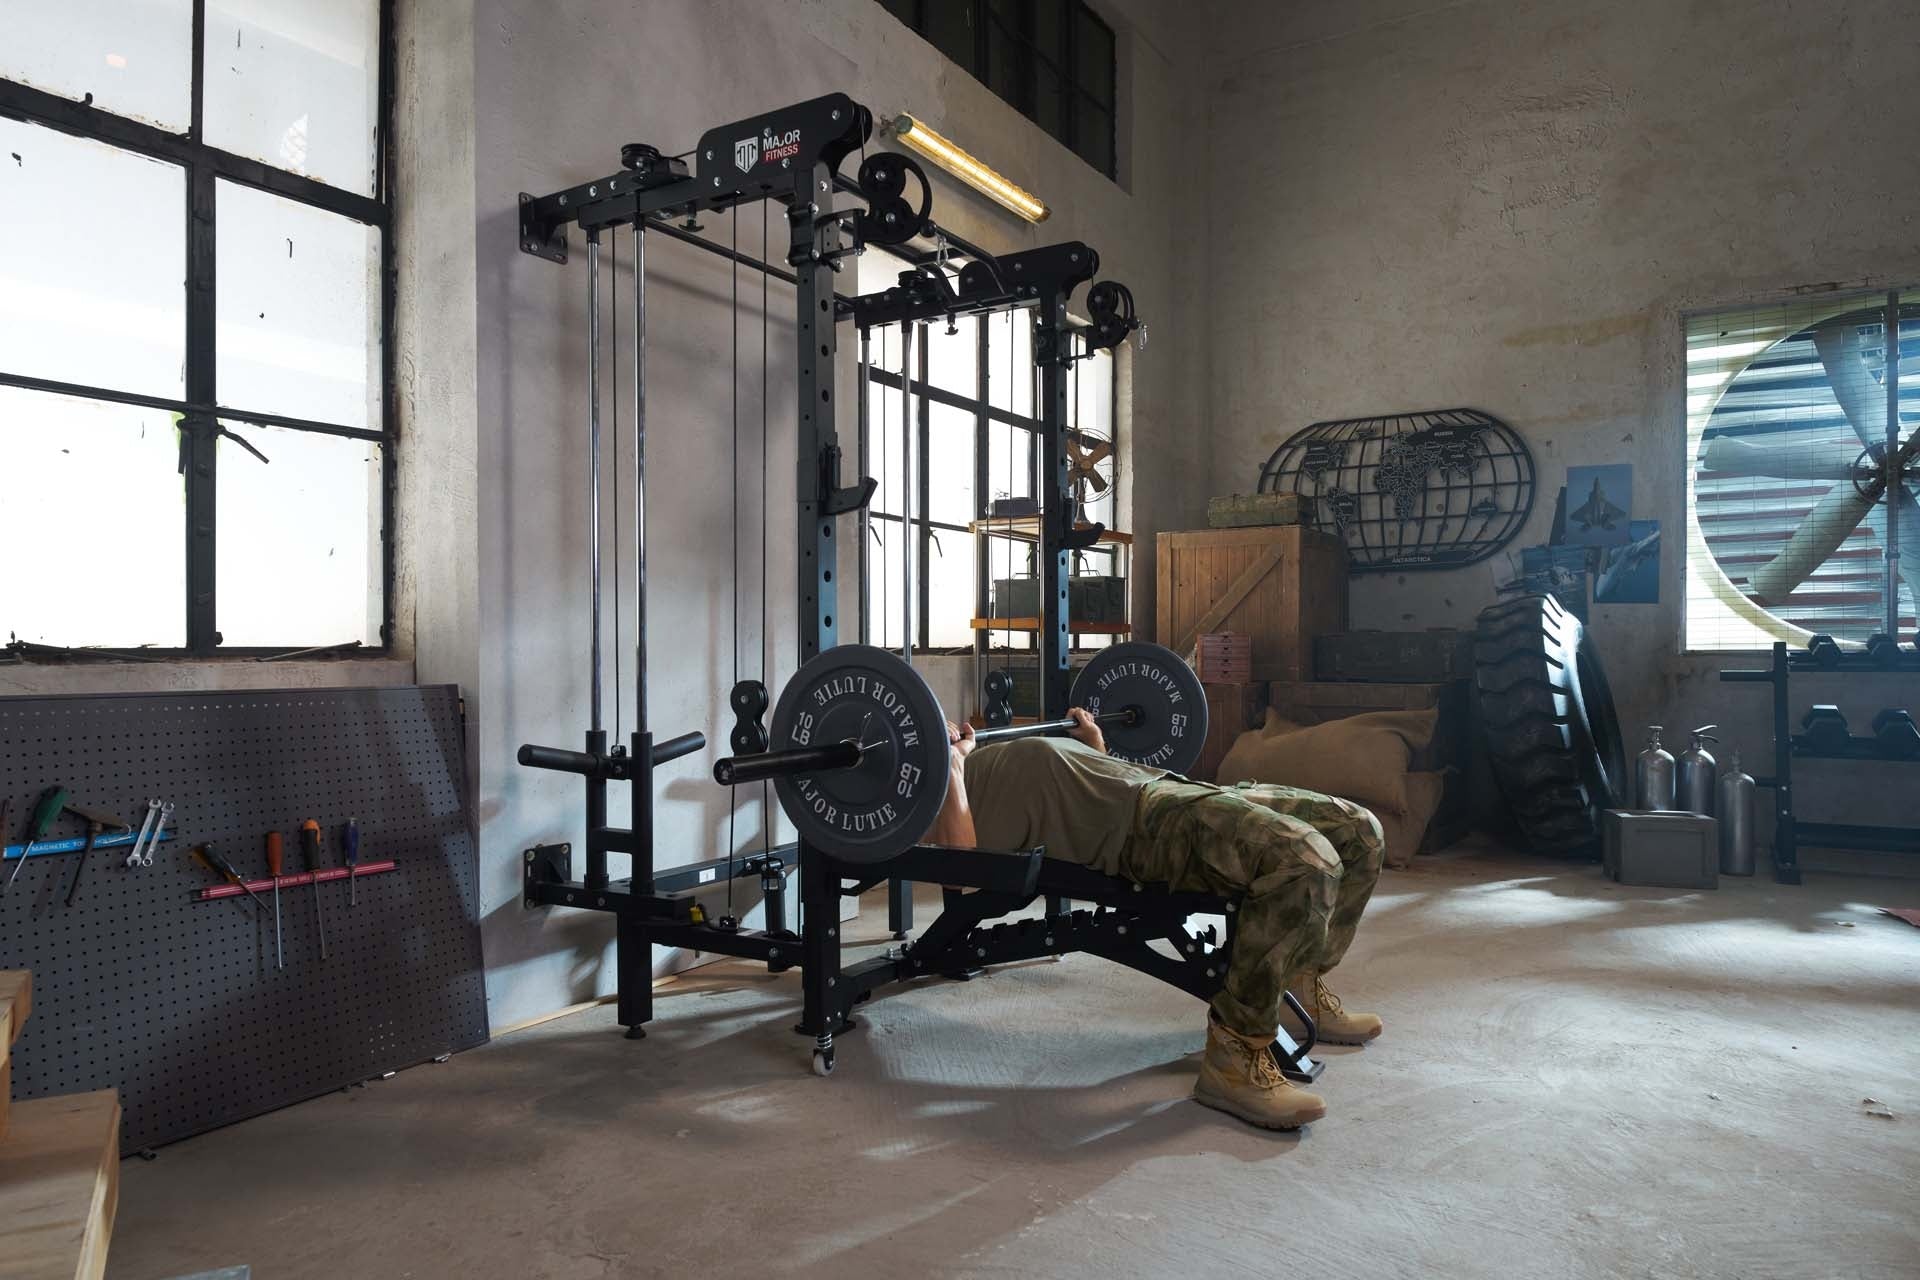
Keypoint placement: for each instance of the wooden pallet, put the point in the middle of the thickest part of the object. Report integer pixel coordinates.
(59, 1167)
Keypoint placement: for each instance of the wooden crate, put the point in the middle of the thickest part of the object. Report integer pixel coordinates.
(1232, 709)
(1282, 585)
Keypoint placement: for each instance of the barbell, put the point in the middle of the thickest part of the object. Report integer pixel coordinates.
(859, 752)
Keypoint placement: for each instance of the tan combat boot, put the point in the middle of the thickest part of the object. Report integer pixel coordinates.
(1238, 1076)
(1333, 1022)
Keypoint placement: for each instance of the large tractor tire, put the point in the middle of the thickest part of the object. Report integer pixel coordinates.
(1552, 737)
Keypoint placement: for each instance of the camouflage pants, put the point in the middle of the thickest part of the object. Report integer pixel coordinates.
(1301, 864)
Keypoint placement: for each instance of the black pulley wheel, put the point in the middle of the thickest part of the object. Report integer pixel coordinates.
(1551, 734)
(1171, 725)
(888, 800)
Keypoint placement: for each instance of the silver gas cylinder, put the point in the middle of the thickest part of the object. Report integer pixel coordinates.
(1699, 774)
(1653, 774)
(1738, 813)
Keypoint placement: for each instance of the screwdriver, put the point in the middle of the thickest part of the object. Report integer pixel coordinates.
(310, 853)
(216, 862)
(52, 801)
(350, 850)
(276, 863)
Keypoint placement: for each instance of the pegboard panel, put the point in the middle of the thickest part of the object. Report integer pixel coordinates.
(177, 1003)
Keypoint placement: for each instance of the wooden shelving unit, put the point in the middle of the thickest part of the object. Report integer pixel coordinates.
(1026, 530)
(1033, 624)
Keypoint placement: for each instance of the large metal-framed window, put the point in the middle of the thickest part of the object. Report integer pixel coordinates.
(1051, 60)
(974, 440)
(196, 298)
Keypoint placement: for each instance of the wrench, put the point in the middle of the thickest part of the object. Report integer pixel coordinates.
(146, 854)
(133, 854)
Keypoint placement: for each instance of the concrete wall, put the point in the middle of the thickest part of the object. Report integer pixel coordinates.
(556, 90)
(1509, 206)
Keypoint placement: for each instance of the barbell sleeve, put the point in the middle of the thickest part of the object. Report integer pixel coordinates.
(732, 771)
(560, 759)
(612, 767)
(674, 748)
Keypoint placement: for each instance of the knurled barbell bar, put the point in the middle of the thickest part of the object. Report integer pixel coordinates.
(764, 765)
(859, 753)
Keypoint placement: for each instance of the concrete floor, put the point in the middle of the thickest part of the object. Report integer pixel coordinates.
(1577, 1080)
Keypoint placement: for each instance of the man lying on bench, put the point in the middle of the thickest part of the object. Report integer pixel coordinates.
(1302, 864)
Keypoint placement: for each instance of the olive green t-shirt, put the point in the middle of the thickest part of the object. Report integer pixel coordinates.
(1076, 801)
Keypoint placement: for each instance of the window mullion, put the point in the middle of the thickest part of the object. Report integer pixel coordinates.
(982, 456)
(200, 430)
(197, 94)
(922, 428)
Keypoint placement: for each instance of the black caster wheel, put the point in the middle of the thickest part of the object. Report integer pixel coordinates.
(636, 1032)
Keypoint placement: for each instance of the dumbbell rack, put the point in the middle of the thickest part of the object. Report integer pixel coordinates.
(1790, 832)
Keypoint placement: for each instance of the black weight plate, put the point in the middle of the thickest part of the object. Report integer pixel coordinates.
(1172, 724)
(888, 802)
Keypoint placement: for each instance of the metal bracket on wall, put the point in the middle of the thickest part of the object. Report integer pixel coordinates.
(545, 864)
(539, 237)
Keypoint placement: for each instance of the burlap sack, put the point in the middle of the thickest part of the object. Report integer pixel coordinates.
(1361, 758)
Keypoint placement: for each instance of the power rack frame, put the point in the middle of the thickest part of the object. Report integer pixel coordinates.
(792, 156)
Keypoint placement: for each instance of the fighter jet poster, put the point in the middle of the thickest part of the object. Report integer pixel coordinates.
(1630, 574)
(1599, 505)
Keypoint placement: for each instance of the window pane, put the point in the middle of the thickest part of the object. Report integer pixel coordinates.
(1010, 361)
(874, 271)
(94, 551)
(298, 309)
(949, 28)
(884, 450)
(1095, 141)
(1090, 393)
(950, 464)
(1093, 55)
(295, 84)
(1049, 30)
(134, 57)
(299, 539)
(949, 570)
(1009, 461)
(1784, 400)
(883, 584)
(91, 290)
(1049, 101)
(1005, 53)
(953, 359)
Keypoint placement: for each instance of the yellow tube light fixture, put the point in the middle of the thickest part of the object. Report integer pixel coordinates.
(966, 168)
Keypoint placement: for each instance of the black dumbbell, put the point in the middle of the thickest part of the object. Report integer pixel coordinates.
(1896, 733)
(1825, 728)
(1883, 650)
(1824, 649)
